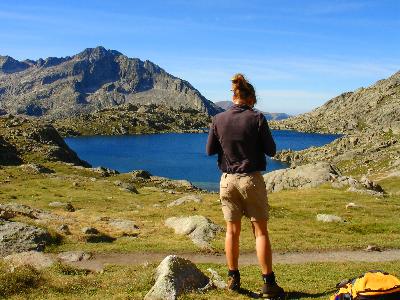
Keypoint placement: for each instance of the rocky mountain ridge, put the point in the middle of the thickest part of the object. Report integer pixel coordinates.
(369, 118)
(269, 116)
(373, 108)
(94, 79)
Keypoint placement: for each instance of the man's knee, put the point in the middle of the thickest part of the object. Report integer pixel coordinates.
(233, 229)
(260, 228)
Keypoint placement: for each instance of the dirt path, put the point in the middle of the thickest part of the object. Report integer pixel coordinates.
(98, 261)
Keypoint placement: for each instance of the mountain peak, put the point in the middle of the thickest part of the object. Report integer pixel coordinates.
(91, 80)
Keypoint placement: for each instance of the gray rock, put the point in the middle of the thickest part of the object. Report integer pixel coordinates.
(89, 230)
(371, 248)
(365, 192)
(65, 205)
(186, 199)
(129, 187)
(73, 256)
(64, 229)
(18, 237)
(105, 172)
(329, 218)
(141, 174)
(120, 224)
(216, 280)
(175, 276)
(37, 260)
(27, 211)
(6, 213)
(306, 176)
(174, 184)
(35, 168)
(200, 229)
(371, 185)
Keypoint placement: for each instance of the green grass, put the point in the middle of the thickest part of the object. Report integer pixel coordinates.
(301, 281)
(293, 225)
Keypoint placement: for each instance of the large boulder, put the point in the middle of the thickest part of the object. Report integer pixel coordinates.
(200, 229)
(305, 176)
(18, 237)
(37, 260)
(175, 276)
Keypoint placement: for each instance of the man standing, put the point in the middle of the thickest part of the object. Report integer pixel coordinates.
(241, 138)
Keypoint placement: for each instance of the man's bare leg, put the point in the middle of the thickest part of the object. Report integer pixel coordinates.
(263, 246)
(232, 244)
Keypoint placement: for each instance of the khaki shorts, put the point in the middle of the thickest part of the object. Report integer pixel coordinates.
(244, 194)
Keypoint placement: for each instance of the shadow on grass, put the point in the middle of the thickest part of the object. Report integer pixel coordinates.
(299, 295)
(288, 295)
(99, 238)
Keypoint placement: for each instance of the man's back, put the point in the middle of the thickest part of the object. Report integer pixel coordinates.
(240, 136)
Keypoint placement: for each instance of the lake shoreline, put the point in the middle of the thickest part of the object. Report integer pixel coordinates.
(176, 155)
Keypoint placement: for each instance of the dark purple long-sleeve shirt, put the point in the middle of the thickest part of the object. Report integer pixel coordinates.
(241, 137)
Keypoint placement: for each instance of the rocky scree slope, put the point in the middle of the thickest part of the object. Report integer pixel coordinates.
(370, 120)
(375, 108)
(94, 79)
(134, 119)
(26, 140)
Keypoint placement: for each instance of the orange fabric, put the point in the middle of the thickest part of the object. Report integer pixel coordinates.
(371, 284)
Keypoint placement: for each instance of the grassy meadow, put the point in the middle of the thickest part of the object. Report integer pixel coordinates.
(293, 228)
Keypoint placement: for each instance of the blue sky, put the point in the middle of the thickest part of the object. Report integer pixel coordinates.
(298, 54)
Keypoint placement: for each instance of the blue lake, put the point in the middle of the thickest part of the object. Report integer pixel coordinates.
(176, 155)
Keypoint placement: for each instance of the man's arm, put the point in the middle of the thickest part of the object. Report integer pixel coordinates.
(268, 143)
(213, 145)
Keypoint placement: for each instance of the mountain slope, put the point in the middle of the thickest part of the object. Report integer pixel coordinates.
(269, 116)
(92, 80)
(373, 108)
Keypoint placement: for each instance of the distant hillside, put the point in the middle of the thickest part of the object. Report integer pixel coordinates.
(134, 119)
(89, 81)
(376, 108)
(269, 116)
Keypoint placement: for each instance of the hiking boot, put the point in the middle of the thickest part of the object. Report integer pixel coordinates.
(272, 291)
(233, 283)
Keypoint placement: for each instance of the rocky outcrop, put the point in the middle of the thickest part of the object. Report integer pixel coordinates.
(306, 176)
(377, 151)
(315, 174)
(33, 141)
(18, 237)
(15, 209)
(201, 230)
(134, 119)
(175, 276)
(10, 65)
(94, 79)
(375, 108)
